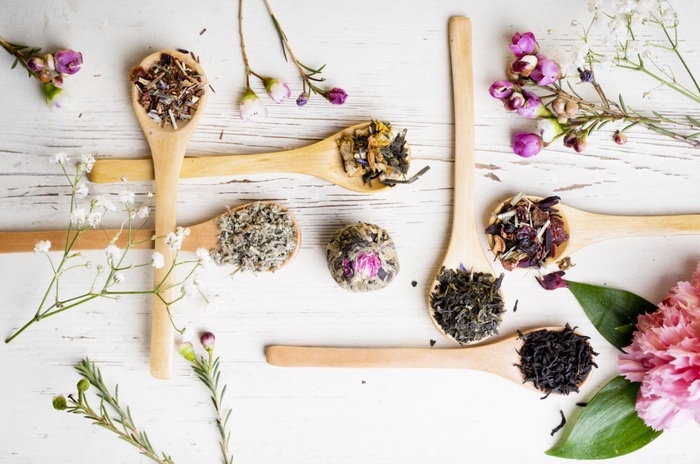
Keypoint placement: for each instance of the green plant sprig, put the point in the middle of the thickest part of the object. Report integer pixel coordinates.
(119, 421)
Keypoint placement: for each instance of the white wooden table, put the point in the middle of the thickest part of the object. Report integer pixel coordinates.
(392, 58)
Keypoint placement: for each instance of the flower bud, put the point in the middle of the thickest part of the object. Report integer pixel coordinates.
(50, 62)
(302, 99)
(586, 75)
(514, 102)
(559, 105)
(619, 138)
(524, 65)
(68, 61)
(527, 144)
(186, 349)
(524, 44)
(570, 139)
(549, 128)
(277, 90)
(562, 119)
(580, 144)
(252, 108)
(57, 81)
(336, 96)
(207, 340)
(83, 385)
(56, 98)
(571, 109)
(59, 403)
(35, 64)
(44, 76)
(501, 89)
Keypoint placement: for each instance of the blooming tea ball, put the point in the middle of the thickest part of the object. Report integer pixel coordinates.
(362, 257)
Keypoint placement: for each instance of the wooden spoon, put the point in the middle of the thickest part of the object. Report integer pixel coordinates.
(584, 228)
(203, 235)
(498, 358)
(168, 146)
(464, 247)
(321, 159)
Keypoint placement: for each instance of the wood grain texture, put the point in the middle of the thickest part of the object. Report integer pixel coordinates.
(399, 73)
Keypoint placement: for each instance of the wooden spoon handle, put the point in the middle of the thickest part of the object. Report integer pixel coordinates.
(17, 242)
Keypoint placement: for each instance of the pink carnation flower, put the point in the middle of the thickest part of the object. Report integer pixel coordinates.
(665, 357)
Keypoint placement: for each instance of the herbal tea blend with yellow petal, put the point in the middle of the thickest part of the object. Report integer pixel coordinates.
(362, 257)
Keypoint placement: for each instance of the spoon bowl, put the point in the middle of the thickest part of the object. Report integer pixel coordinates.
(321, 159)
(464, 248)
(168, 145)
(202, 235)
(499, 358)
(584, 228)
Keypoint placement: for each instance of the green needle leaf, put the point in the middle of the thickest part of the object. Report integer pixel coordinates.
(608, 427)
(609, 309)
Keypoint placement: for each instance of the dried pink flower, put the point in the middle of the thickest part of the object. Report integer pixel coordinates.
(665, 357)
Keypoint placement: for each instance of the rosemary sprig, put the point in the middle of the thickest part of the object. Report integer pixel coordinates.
(110, 414)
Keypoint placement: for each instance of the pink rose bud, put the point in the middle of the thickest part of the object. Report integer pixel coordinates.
(547, 72)
(68, 61)
(527, 144)
(524, 44)
(336, 96)
(501, 89)
(524, 66)
(515, 101)
(35, 64)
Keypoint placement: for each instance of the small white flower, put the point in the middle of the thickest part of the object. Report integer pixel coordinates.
(189, 289)
(183, 231)
(173, 241)
(42, 247)
(149, 194)
(204, 256)
(157, 260)
(78, 216)
(81, 191)
(59, 158)
(118, 277)
(86, 163)
(113, 252)
(142, 212)
(94, 219)
(187, 335)
(126, 197)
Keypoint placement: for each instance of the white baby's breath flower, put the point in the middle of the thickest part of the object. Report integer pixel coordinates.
(118, 277)
(78, 216)
(142, 212)
(157, 260)
(173, 241)
(42, 246)
(81, 190)
(86, 163)
(669, 17)
(183, 231)
(113, 252)
(126, 197)
(149, 194)
(94, 219)
(189, 289)
(204, 256)
(59, 158)
(187, 335)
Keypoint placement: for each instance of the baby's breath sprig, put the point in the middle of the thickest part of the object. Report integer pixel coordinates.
(110, 414)
(207, 369)
(86, 214)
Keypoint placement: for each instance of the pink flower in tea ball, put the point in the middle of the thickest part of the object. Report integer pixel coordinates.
(524, 66)
(524, 44)
(501, 89)
(547, 72)
(665, 357)
(533, 107)
(68, 61)
(252, 108)
(366, 265)
(336, 96)
(277, 90)
(527, 144)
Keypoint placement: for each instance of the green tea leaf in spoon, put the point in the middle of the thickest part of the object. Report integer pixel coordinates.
(608, 427)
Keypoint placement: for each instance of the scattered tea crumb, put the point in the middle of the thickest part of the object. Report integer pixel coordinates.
(581, 405)
(414, 284)
(467, 305)
(364, 382)
(80, 115)
(183, 51)
(432, 342)
(169, 90)
(221, 135)
(203, 31)
(258, 238)
(515, 306)
(212, 88)
(561, 425)
(555, 360)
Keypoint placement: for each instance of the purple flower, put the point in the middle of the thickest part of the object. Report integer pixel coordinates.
(252, 108)
(527, 144)
(207, 340)
(546, 73)
(524, 44)
(336, 96)
(277, 90)
(524, 65)
(515, 101)
(553, 281)
(302, 99)
(35, 64)
(68, 61)
(501, 89)
(533, 107)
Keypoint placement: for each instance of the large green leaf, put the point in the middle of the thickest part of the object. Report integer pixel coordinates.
(610, 309)
(608, 427)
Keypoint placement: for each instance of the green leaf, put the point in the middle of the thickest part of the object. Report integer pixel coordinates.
(610, 308)
(608, 427)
